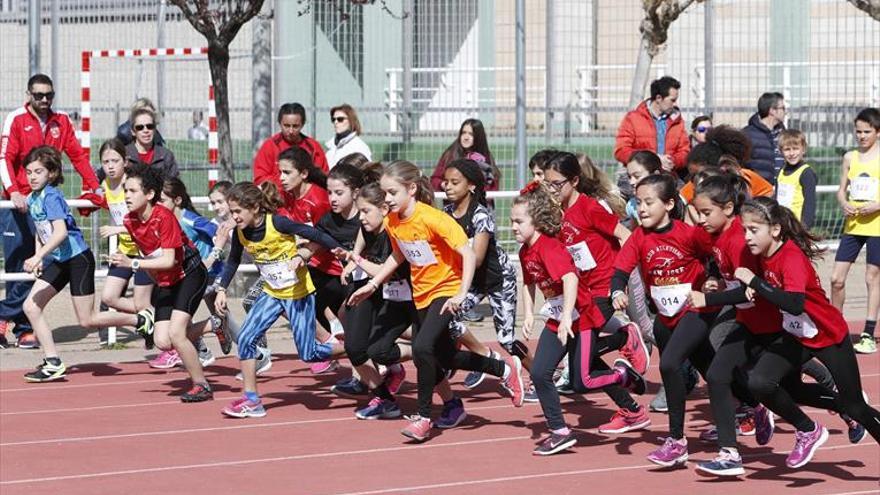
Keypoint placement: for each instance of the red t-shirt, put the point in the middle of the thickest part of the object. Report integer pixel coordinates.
(544, 264)
(160, 231)
(671, 264)
(309, 207)
(588, 234)
(147, 158)
(731, 252)
(790, 270)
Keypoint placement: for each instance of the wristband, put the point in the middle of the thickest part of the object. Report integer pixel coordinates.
(372, 284)
(220, 289)
(617, 293)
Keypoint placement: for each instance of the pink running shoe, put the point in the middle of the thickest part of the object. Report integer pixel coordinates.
(394, 378)
(514, 380)
(419, 428)
(324, 367)
(634, 349)
(671, 453)
(625, 420)
(805, 446)
(244, 408)
(165, 360)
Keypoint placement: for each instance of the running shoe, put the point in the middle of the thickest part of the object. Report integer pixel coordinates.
(745, 427)
(806, 444)
(634, 349)
(671, 453)
(473, 316)
(165, 360)
(624, 420)
(530, 395)
(855, 431)
(28, 340)
(866, 344)
(264, 363)
(146, 322)
(394, 377)
(658, 404)
(514, 380)
(764, 425)
(633, 380)
(350, 387)
(418, 429)
(220, 327)
(475, 378)
(199, 392)
(245, 408)
(206, 357)
(47, 372)
(727, 463)
(555, 443)
(322, 367)
(453, 414)
(379, 408)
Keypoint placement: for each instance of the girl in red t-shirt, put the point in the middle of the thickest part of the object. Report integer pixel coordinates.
(813, 327)
(570, 312)
(670, 256)
(592, 234)
(174, 264)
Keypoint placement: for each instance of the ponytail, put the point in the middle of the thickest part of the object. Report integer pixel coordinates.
(302, 162)
(664, 185)
(265, 198)
(472, 171)
(601, 186)
(791, 229)
(174, 188)
(723, 189)
(407, 173)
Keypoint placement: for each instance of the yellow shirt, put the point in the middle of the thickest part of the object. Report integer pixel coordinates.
(864, 187)
(789, 192)
(118, 210)
(271, 255)
(429, 240)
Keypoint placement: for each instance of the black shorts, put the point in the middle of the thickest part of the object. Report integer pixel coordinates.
(185, 295)
(80, 270)
(851, 245)
(141, 277)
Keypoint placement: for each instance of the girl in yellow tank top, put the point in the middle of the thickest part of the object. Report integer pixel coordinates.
(859, 197)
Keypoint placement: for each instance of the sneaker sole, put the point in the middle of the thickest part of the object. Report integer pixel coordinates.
(637, 426)
(521, 388)
(453, 425)
(192, 400)
(681, 460)
(44, 380)
(393, 415)
(638, 333)
(413, 436)
(164, 366)
(248, 414)
(559, 448)
(208, 362)
(806, 460)
(772, 421)
(328, 369)
(347, 395)
(704, 471)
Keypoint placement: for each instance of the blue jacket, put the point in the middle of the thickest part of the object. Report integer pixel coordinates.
(766, 159)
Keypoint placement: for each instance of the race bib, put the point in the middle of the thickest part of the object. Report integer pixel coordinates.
(864, 189)
(799, 326)
(418, 253)
(733, 285)
(583, 258)
(277, 274)
(785, 194)
(397, 290)
(44, 230)
(552, 309)
(117, 213)
(358, 274)
(670, 299)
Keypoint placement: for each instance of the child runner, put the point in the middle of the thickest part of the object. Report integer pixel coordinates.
(547, 265)
(813, 327)
(373, 326)
(796, 183)
(592, 234)
(271, 240)
(60, 245)
(494, 276)
(859, 197)
(670, 255)
(175, 266)
(442, 268)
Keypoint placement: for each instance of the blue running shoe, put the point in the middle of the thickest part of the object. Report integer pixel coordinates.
(728, 463)
(379, 408)
(349, 387)
(453, 414)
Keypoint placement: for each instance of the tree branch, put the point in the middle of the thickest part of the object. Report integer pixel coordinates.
(870, 7)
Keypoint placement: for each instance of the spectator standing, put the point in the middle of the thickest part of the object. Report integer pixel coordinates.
(198, 131)
(472, 144)
(291, 118)
(347, 140)
(763, 131)
(124, 132)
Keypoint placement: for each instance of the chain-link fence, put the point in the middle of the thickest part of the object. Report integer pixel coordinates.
(414, 70)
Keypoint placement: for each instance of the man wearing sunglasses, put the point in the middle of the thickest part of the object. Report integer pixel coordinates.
(35, 124)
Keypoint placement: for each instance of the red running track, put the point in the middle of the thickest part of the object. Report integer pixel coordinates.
(121, 429)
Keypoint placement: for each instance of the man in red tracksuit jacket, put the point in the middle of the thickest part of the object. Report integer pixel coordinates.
(291, 118)
(35, 124)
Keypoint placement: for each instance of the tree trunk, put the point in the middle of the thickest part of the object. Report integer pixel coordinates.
(642, 72)
(218, 60)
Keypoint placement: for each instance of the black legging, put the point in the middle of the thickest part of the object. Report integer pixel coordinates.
(787, 354)
(329, 293)
(434, 350)
(373, 327)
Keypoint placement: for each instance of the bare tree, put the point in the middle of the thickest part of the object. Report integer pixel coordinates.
(659, 15)
(219, 24)
(870, 7)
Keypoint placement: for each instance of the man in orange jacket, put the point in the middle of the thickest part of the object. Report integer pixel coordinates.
(656, 125)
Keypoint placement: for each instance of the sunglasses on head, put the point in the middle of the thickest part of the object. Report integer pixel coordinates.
(338, 119)
(141, 127)
(703, 128)
(43, 96)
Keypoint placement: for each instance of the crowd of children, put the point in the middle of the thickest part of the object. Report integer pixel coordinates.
(362, 265)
